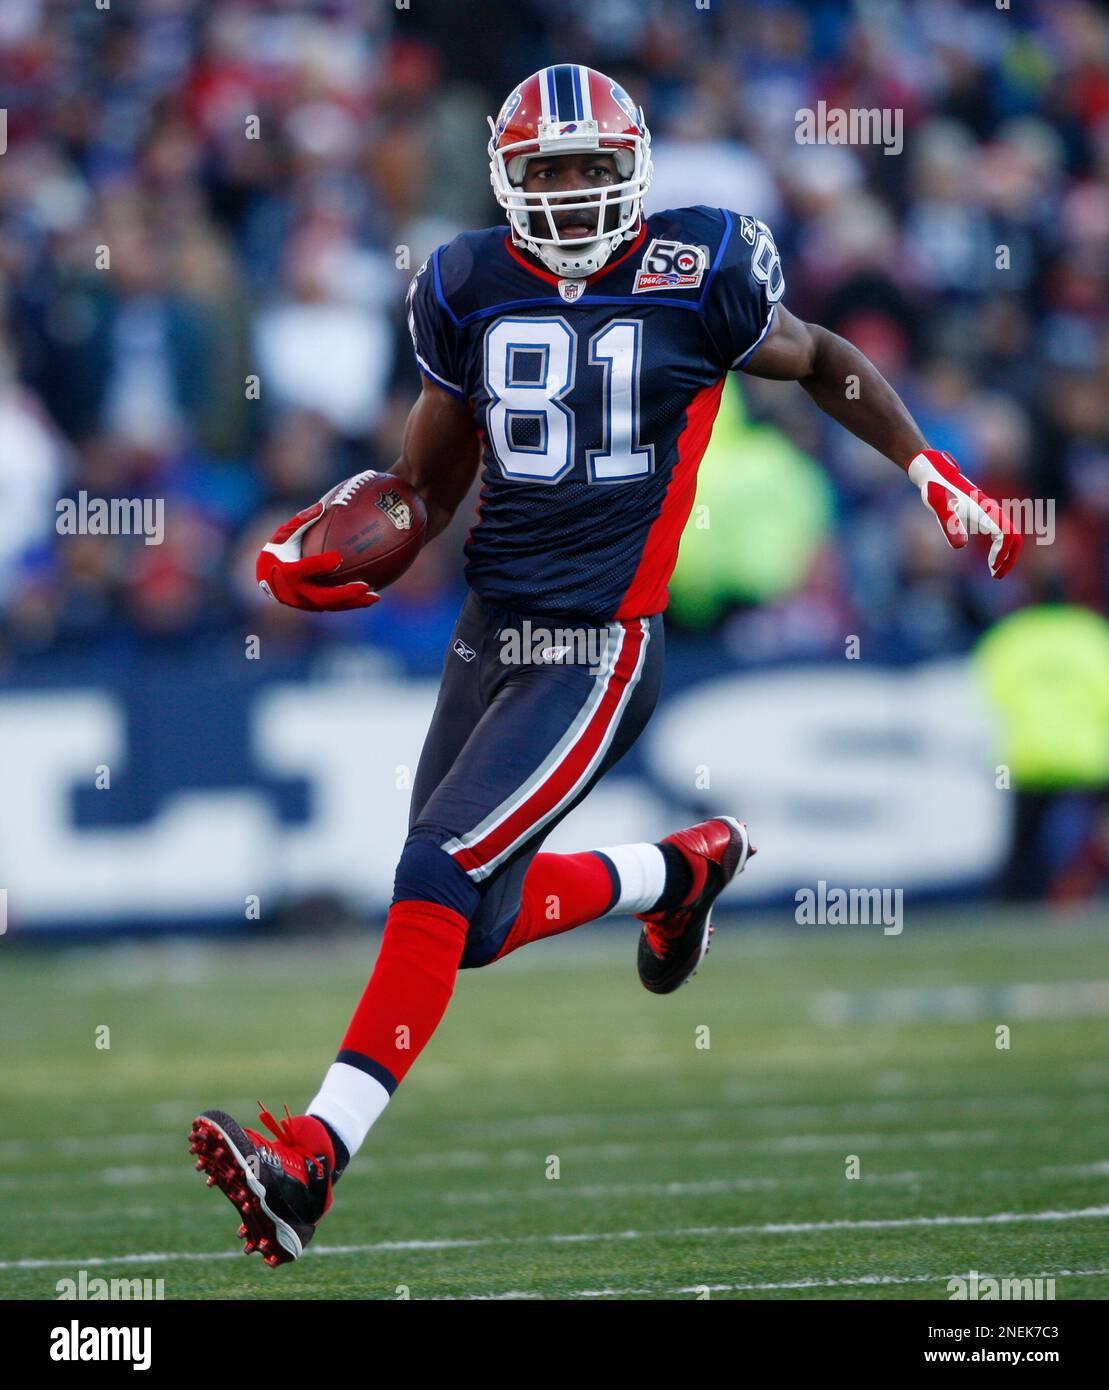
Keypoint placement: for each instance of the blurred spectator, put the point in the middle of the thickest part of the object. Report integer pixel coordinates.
(194, 196)
(31, 457)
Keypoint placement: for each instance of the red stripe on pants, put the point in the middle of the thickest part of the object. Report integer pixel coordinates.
(563, 779)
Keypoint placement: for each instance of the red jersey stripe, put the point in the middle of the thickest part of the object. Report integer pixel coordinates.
(648, 594)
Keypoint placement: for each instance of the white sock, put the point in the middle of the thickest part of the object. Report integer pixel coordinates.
(641, 872)
(350, 1102)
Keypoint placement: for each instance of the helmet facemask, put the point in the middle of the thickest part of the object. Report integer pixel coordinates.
(531, 216)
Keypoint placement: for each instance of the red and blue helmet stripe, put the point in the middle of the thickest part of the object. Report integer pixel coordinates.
(567, 92)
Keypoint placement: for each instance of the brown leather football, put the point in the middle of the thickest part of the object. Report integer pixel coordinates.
(376, 522)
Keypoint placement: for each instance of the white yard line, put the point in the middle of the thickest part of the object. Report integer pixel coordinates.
(903, 1222)
(142, 1175)
(858, 1143)
(486, 1128)
(706, 1187)
(964, 1003)
(1100, 1169)
(559, 1127)
(616, 1151)
(863, 1281)
(588, 1237)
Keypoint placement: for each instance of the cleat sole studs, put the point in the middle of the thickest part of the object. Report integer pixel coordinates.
(219, 1162)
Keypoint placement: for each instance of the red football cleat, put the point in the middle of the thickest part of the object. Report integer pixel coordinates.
(673, 943)
(282, 1186)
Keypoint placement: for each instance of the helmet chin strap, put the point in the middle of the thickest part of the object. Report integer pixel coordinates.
(576, 263)
(585, 258)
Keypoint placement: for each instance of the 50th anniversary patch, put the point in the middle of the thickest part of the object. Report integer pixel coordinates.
(670, 265)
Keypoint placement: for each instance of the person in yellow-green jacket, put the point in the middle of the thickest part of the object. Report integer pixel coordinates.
(1046, 670)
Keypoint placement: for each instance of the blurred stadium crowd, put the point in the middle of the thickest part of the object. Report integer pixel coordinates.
(287, 256)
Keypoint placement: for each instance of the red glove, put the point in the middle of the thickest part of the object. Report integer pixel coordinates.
(286, 577)
(959, 507)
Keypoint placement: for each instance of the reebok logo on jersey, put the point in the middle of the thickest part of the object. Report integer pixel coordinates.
(670, 265)
(461, 649)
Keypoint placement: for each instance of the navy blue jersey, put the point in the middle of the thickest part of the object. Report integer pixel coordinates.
(594, 398)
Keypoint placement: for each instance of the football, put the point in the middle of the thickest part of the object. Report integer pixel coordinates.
(376, 522)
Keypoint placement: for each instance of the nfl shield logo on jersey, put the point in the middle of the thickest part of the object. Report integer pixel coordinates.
(571, 289)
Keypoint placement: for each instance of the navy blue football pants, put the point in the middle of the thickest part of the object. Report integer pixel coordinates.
(532, 712)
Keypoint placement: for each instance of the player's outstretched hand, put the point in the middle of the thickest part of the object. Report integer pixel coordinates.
(959, 508)
(286, 577)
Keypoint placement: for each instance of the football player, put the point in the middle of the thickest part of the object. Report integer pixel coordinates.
(577, 359)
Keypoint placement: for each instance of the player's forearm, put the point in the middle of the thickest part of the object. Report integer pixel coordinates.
(846, 385)
(439, 456)
(439, 508)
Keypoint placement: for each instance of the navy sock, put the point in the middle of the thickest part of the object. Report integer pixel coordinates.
(679, 879)
(342, 1153)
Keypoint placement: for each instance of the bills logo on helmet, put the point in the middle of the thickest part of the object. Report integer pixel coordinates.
(670, 265)
(625, 103)
(508, 110)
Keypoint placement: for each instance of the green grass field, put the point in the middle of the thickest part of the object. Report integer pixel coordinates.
(680, 1166)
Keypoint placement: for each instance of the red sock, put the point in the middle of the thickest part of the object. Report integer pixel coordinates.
(410, 987)
(561, 891)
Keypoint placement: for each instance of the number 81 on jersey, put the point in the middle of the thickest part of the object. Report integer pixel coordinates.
(530, 366)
